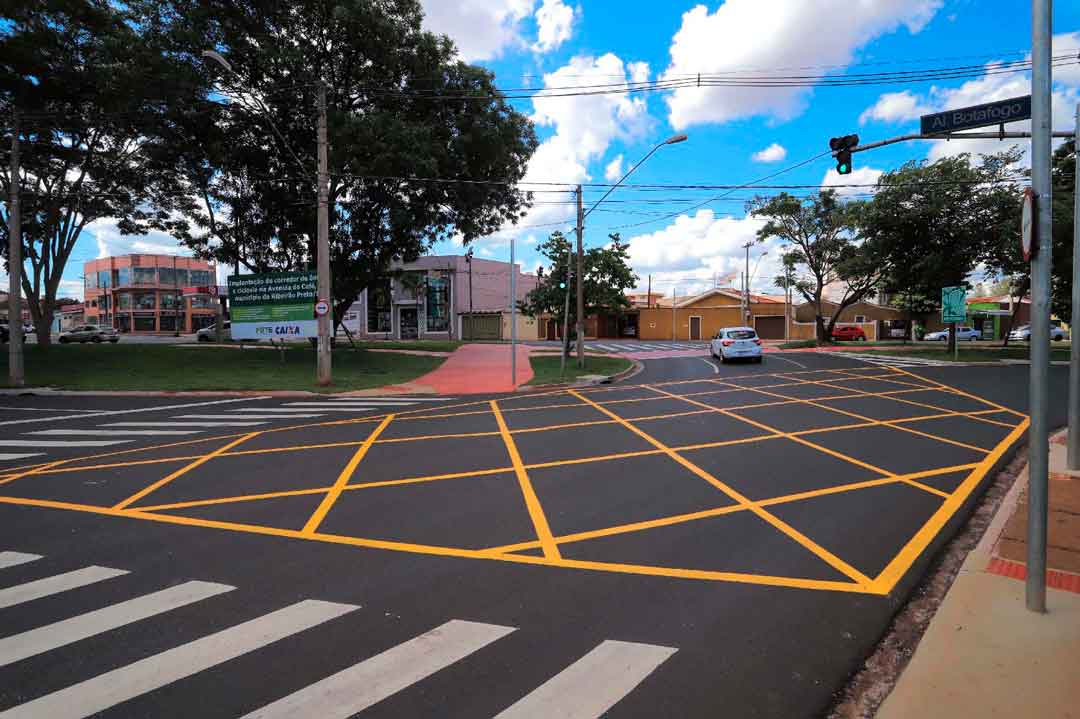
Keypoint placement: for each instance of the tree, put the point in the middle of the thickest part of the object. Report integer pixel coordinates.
(607, 276)
(933, 223)
(86, 88)
(821, 233)
(400, 106)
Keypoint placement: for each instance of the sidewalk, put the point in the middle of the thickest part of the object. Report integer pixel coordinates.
(473, 369)
(984, 654)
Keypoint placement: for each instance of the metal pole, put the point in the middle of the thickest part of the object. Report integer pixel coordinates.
(648, 294)
(513, 317)
(580, 285)
(566, 316)
(1038, 451)
(674, 301)
(176, 299)
(787, 310)
(16, 375)
(323, 371)
(1074, 341)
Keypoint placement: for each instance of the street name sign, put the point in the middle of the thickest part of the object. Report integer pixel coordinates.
(953, 304)
(966, 118)
(274, 305)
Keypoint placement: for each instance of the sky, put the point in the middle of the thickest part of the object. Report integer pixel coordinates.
(735, 135)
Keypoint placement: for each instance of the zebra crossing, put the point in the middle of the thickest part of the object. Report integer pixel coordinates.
(638, 346)
(894, 360)
(29, 443)
(586, 688)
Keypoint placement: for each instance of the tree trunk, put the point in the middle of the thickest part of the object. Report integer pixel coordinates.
(43, 327)
(952, 338)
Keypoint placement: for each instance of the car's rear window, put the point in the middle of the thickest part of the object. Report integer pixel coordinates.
(741, 334)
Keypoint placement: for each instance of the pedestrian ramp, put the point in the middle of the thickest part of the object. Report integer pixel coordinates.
(588, 686)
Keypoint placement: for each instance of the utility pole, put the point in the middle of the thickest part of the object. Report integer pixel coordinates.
(1074, 344)
(648, 294)
(580, 285)
(746, 284)
(513, 318)
(566, 315)
(1038, 459)
(16, 376)
(674, 301)
(323, 371)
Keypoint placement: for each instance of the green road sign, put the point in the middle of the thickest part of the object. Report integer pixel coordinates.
(953, 304)
(275, 305)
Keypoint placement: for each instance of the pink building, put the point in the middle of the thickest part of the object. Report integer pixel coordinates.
(430, 299)
(143, 293)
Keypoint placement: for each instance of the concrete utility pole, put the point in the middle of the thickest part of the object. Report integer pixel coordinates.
(674, 301)
(1074, 343)
(746, 284)
(580, 285)
(16, 376)
(323, 370)
(513, 318)
(566, 315)
(1038, 459)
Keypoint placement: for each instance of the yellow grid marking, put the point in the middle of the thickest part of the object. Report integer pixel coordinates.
(532, 502)
(824, 554)
(182, 471)
(346, 474)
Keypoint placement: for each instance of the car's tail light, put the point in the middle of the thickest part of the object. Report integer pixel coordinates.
(727, 343)
(757, 340)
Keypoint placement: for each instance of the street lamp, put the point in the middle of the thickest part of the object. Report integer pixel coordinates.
(674, 139)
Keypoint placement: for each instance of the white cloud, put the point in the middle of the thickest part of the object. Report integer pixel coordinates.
(1067, 44)
(895, 107)
(639, 71)
(858, 176)
(482, 29)
(773, 153)
(751, 34)
(554, 24)
(110, 242)
(70, 288)
(614, 169)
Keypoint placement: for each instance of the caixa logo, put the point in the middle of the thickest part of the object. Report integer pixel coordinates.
(279, 330)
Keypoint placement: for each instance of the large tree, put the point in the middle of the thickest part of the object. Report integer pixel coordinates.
(824, 251)
(422, 147)
(934, 223)
(95, 102)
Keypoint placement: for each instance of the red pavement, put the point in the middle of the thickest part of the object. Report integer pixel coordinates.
(478, 369)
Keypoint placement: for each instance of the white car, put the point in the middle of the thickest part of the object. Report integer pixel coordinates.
(736, 343)
(1023, 333)
(209, 333)
(969, 334)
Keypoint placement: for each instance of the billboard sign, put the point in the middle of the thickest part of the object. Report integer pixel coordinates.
(966, 118)
(953, 304)
(273, 306)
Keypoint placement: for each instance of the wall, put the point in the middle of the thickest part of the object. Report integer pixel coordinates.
(654, 323)
(527, 327)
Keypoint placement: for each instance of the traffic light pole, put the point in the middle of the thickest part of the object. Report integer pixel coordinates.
(322, 261)
(955, 136)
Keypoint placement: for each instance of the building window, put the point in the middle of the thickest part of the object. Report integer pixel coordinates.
(860, 318)
(90, 280)
(123, 277)
(170, 277)
(168, 323)
(144, 301)
(123, 301)
(123, 323)
(438, 304)
(200, 278)
(145, 323)
(378, 297)
(203, 302)
(103, 302)
(103, 278)
(146, 276)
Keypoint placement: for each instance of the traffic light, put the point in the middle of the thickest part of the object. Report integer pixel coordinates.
(562, 285)
(841, 147)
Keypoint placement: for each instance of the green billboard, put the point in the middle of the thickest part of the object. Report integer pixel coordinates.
(274, 305)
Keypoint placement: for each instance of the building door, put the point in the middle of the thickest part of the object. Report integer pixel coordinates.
(695, 327)
(407, 323)
(769, 328)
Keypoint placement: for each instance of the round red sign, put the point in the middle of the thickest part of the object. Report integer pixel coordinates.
(322, 307)
(1028, 237)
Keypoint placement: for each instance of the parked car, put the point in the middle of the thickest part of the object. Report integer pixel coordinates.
(89, 333)
(968, 334)
(5, 334)
(1023, 333)
(736, 343)
(629, 331)
(28, 328)
(209, 333)
(848, 334)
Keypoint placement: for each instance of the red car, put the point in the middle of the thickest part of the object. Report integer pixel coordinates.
(849, 334)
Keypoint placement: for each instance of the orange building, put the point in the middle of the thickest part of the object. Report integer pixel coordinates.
(143, 293)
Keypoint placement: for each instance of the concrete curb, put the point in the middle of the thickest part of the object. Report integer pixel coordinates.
(627, 373)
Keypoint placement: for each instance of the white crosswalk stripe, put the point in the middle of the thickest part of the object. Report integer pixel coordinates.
(182, 424)
(349, 403)
(112, 432)
(360, 686)
(14, 559)
(9, 456)
(895, 360)
(361, 398)
(259, 415)
(111, 688)
(586, 689)
(242, 413)
(43, 639)
(10, 596)
(593, 684)
(48, 443)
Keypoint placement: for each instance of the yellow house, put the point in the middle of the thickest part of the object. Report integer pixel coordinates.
(701, 316)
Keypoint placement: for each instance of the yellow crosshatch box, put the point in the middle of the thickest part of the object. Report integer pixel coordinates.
(708, 478)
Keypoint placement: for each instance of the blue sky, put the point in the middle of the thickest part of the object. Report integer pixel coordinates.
(555, 43)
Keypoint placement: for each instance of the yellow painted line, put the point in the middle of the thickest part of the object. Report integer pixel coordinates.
(346, 474)
(729, 509)
(824, 554)
(887, 579)
(31, 472)
(532, 502)
(460, 435)
(962, 393)
(182, 471)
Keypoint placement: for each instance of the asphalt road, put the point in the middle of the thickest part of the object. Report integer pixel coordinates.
(705, 541)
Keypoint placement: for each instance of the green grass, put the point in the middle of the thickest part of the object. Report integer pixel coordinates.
(798, 344)
(193, 367)
(546, 368)
(976, 354)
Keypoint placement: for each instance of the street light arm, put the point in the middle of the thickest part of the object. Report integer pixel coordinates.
(670, 141)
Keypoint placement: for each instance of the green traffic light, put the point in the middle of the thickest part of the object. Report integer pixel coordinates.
(843, 169)
(562, 285)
